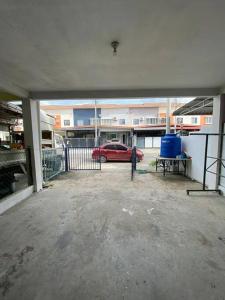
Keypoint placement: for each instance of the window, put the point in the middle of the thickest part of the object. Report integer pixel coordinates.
(111, 136)
(152, 121)
(80, 122)
(120, 147)
(194, 120)
(70, 134)
(122, 121)
(208, 120)
(136, 121)
(106, 122)
(180, 120)
(66, 122)
(46, 135)
(110, 147)
(162, 120)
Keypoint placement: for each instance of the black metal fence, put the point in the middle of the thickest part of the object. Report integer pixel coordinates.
(58, 160)
(83, 158)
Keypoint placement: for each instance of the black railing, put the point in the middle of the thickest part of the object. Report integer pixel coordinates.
(83, 158)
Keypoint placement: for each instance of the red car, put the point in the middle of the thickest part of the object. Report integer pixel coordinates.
(115, 151)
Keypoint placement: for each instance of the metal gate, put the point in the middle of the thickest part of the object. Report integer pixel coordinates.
(83, 158)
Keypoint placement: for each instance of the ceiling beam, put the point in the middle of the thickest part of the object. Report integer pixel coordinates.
(128, 93)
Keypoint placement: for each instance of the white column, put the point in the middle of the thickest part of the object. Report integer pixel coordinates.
(218, 126)
(96, 125)
(214, 146)
(31, 123)
(168, 116)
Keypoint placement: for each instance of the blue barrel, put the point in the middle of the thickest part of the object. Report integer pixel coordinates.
(170, 145)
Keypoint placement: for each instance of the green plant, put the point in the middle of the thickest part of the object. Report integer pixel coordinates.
(152, 163)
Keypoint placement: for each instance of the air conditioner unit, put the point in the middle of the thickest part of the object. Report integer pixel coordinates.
(142, 119)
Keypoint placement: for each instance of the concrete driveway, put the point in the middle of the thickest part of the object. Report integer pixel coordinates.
(97, 235)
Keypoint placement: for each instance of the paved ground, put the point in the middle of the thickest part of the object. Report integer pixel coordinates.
(97, 235)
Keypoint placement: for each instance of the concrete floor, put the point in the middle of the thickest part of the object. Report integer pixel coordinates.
(97, 235)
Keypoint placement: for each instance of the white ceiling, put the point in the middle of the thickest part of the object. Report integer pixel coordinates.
(64, 45)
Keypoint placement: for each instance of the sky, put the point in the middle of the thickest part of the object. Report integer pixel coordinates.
(114, 101)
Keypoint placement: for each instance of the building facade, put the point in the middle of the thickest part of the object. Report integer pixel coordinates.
(120, 122)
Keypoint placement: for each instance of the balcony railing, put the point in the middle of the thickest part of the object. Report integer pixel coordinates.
(155, 121)
(107, 122)
(129, 122)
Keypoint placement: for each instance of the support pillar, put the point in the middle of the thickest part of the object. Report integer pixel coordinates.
(31, 123)
(168, 116)
(218, 126)
(215, 142)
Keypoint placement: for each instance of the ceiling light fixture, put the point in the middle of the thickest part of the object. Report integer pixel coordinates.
(115, 45)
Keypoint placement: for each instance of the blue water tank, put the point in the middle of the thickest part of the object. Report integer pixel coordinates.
(170, 145)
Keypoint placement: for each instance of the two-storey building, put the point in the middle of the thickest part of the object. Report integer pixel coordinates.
(118, 122)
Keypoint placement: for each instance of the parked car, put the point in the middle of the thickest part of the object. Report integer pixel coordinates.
(115, 151)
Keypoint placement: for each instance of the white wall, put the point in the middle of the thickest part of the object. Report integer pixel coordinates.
(129, 113)
(148, 142)
(188, 120)
(152, 142)
(119, 113)
(138, 112)
(195, 147)
(66, 114)
(156, 142)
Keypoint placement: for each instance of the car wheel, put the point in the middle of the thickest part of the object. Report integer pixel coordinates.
(103, 159)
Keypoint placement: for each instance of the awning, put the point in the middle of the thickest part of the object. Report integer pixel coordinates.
(178, 127)
(198, 106)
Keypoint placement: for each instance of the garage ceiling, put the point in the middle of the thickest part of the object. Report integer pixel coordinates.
(64, 45)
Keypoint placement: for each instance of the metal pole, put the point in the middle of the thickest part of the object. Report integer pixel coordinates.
(205, 160)
(96, 126)
(175, 118)
(219, 155)
(66, 159)
(133, 161)
(134, 140)
(168, 116)
(175, 124)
